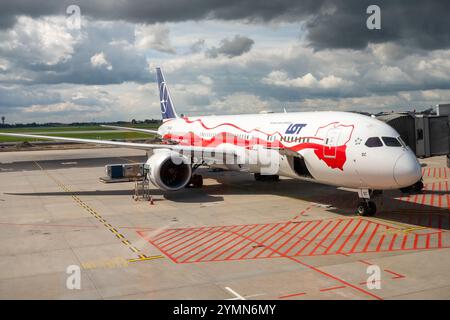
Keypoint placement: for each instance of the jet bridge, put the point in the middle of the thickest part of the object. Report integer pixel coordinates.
(426, 135)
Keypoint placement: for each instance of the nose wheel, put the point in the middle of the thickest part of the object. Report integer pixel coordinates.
(366, 208)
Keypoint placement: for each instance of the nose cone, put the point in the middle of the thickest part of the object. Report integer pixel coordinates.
(407, 170)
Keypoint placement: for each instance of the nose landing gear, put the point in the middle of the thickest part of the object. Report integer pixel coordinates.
(366, 207)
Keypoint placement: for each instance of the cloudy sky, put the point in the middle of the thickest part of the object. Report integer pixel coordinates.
(219, 57)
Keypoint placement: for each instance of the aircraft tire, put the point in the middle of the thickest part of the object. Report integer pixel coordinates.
(366, 209)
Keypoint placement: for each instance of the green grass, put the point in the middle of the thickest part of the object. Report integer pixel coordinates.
(73, 128)
(98, 136)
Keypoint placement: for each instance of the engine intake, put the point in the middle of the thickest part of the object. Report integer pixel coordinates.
(169, 170)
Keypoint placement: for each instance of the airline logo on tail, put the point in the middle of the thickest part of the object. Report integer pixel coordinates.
(167, 109)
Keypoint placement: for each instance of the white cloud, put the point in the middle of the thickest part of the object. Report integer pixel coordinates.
(280, 78)
(39, 41)
(62, 107)
(98, 60)
(154, 37)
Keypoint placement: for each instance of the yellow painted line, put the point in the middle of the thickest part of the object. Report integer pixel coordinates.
(96, 215)
(145, 258)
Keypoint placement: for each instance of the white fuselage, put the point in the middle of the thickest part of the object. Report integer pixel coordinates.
(332, 146)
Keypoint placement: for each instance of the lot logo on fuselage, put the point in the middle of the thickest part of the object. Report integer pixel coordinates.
(295, 128)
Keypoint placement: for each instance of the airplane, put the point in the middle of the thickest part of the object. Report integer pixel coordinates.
(341, 149)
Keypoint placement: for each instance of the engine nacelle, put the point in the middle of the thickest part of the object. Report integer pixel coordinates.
(169, 170)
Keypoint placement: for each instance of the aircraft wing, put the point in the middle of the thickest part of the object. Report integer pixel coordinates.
(186, 150)
(132, 129)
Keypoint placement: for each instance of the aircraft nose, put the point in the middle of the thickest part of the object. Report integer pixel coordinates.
(407, 170)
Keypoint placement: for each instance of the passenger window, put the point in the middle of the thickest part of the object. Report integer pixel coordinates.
(391, 142)
(374, 142)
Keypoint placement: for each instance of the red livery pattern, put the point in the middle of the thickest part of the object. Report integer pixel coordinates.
(333, 155)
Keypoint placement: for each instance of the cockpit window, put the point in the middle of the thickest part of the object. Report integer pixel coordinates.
(374, 142)
(403, 143)
(391, 142)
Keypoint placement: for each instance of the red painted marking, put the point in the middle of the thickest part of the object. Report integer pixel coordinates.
(332, 288)
(434, 173)
(246, 238)
(432, 195)
(360, 237)
(237, 236)
(277, 239)
(292, 295)
(416, 240)
(292, 237)
(190, 236)
(194, 240)
(303, 237)
(325, 238)
(393, 241)
(263, 241)
(365, 262)
(210, 245)
(405, 238)
(338, 236)
(349, 236)
(445, 173)
(166, 233)
(427, 246)
(440, 196)
(160, 249)
(422, 202)
(428, 173)
(371, 237)
(416, 197)
(186, 232)
(314, 238)
(439, 172)
(326, 274)
(199, 242)
(236, 244)
(397, 275)
(423, 171)
(303, 212)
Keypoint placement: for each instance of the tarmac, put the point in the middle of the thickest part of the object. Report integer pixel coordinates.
(233, 239)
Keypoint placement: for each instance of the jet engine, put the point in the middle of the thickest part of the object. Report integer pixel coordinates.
(169, 170)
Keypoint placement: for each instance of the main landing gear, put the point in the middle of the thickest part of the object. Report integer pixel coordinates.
(196, 181)
(366, 207)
